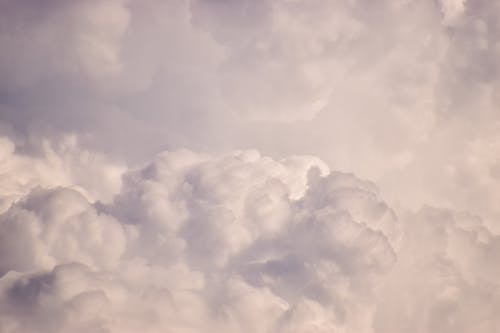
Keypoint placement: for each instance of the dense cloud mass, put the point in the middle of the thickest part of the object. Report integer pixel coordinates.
(239, 243)
(249, 166)
(402, 92)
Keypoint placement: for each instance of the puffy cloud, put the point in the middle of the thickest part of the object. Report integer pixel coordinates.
(226, 235)
(27, 165)
(339, 80)
(241, 242)
(52, 226)
(401, 92)
(75, 39)
(445, 279)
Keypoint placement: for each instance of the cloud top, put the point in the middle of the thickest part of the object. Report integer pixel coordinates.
(197, 242)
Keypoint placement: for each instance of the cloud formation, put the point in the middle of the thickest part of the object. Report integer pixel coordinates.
(241, 242)
(340, 80)
(186, 166)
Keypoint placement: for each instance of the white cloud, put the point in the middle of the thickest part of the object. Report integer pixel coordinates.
(445, 279)
(196, 242)
(228, 235)
(452, 10)
(48, 227)
(46, 164)
(362, 86)
(96, 235)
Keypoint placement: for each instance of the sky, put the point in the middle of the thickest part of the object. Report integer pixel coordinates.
(295, 166)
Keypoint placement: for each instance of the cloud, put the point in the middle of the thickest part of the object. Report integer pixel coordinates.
(169, 166)
(27, 165)
(197, 242)
(338, 80)
(445, 279)
(78, 39)
(452, 10)
(227, 235)
(51, 226)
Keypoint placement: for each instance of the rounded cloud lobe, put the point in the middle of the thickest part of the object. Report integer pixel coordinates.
(237, 243)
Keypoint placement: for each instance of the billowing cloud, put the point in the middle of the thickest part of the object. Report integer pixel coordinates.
(186, 166)
(26, 166)
(340, 80)
(241, 242)
(446, 277)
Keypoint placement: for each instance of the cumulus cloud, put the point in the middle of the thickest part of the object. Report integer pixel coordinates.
(171, 166)
(51, 226)
(241, 242)
(447, 284)
(81, 39)
(26, 166)
(225, 236)
(339, 80)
